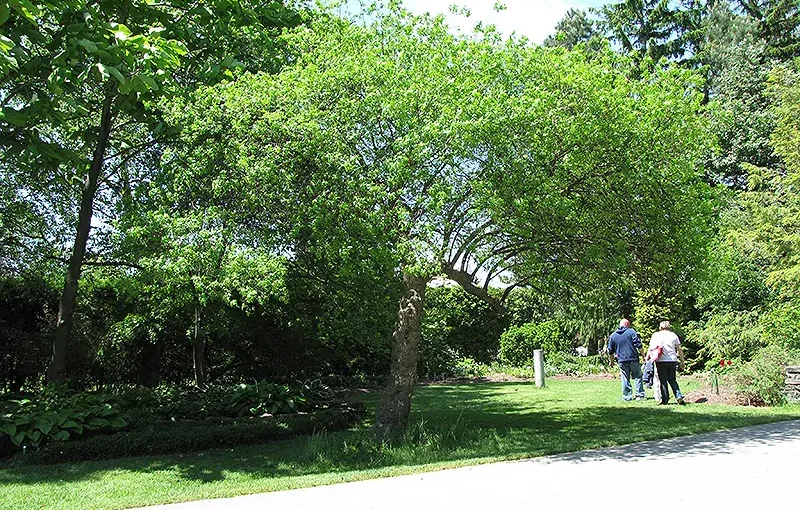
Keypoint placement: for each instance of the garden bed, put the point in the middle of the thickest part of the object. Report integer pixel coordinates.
(189, 436)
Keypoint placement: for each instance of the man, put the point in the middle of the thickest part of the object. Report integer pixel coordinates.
(625, 345)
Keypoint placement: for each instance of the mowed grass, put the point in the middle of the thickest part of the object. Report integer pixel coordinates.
(452, 425)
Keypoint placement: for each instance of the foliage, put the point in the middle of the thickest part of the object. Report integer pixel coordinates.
(457, 326)
(729, 335)
(573, 29)
(517, 343)
(740, 114)
(780, 325)
(470, 369)
(453, 425)
(655, 305)
(187, 438)
(644, 28)
(29, 423)
(561, 363)
(761, 380)
(28, 304)
(229, 400)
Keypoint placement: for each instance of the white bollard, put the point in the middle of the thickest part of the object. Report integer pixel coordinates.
(538, 367)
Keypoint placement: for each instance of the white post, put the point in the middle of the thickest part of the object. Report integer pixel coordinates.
(538, 367)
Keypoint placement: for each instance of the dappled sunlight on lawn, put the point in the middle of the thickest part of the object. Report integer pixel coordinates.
(451, 425)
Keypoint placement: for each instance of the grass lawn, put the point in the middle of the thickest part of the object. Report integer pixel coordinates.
(452, 426)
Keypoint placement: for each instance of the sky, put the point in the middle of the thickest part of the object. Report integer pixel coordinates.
(535, 19)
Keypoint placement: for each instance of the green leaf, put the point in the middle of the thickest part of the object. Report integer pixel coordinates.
(15, 117)
(120, 31)
(97, 422)
(4, 11)
(8, 428)
(90, 46)
(61, 435)
(150, 82)
(18, 437)
(116, 74)
(42, 424)
(103, 72)
(117, 422)
(27, 9)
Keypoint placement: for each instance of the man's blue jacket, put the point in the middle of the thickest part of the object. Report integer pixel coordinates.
(625, 343)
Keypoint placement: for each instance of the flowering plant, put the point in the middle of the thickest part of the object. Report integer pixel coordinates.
(723, 366)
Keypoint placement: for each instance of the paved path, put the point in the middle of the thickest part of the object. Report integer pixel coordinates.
(754, 467)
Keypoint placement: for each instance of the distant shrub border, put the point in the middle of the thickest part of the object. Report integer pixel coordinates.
(183, 437)
(518, 342)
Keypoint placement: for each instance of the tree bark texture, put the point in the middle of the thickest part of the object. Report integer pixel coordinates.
(57, 372)
(199, 349)
(395, 406)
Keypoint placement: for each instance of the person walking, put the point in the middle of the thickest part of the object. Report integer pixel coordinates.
(665, 349)
(625, 344)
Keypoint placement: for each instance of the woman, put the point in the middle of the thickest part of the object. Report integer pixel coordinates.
(665, 348)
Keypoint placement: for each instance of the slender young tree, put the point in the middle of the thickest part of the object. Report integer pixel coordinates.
(80, 89)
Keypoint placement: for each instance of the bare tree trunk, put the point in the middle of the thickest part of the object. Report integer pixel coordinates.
(198, 349)
(395, 406)
(57, 372)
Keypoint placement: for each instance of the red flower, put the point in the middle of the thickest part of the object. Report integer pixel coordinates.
(722, 362)
(730, 362)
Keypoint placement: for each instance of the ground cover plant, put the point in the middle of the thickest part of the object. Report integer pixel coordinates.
(452, 425)
(59, 414)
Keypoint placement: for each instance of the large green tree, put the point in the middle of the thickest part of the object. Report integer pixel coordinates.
(474, 158)
(80, 91)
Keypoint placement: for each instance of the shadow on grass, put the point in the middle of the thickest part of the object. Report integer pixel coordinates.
(477, 422)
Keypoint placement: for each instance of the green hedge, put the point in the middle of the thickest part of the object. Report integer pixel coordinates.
(189, 437)
(518, 342)
(567, 364)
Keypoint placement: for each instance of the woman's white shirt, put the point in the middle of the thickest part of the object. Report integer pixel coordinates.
(669, 342)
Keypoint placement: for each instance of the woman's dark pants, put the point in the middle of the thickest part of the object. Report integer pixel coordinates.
(667, 374)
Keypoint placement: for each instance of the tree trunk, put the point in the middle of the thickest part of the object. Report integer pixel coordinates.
(591, 345)
(199, 350)
(395, 406)
(57, 372)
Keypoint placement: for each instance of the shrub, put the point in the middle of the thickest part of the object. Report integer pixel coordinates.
(457, 325)
(781, 325)
(567, 364)
(188, 437)
(468, 368)
(229, 400)
(29, 423)
(729, 335)
(60, 414)
(518, 342)
(761, 381)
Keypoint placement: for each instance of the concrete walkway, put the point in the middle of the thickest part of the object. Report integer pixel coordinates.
(754, 467)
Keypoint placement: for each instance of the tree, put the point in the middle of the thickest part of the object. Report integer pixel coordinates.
(473, 158)
(643, 28)
(778, 24)
(784, 88)
(80, 97)
(573, 29)
(741, 118)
